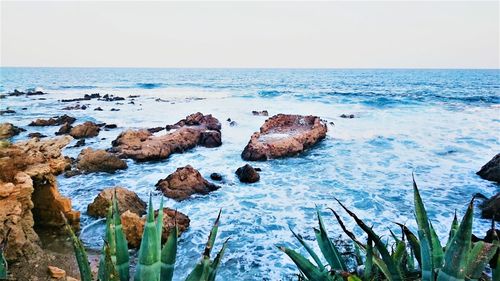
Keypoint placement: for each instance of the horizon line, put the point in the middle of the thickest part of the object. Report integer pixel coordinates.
(263, 67)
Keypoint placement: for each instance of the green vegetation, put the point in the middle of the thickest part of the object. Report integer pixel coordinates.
(3, 262)
(155, 262)
(460, 259)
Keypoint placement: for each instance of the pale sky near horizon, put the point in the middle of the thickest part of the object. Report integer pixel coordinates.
(251, 34)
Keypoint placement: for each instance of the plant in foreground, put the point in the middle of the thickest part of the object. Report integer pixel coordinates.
(155, 262)
(459, 259)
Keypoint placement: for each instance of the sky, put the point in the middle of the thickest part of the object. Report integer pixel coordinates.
(337, 34)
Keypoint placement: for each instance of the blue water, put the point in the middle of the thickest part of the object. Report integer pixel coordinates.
(443, 125)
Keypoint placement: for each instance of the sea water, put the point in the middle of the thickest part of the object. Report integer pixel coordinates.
(441, 125)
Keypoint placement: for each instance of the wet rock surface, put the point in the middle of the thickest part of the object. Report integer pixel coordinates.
(491, 170)
(54, 121)
(490, 208)
(284, 135)
(127, 201)
(247, 174)
(90, 160)
(216, 176)
(85, 130)
(8, 130)
(183, 183)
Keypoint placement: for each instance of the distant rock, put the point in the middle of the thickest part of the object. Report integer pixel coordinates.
(76, 107)
(491, 208)
(183, 183)
(115, 109)
(127, 201)
(110, 126)
(347, 116)
(85, 130)
(8, 130)
(260, 113)
(108, 97)
(91, 160)
(36, 135)
(156, 129)
(216, 176)
(85, 97)
(54, 121)
(64, 129)
(247, 174)
(284, 135)
(79, 143)
(7, 111)
(98, 109)
(28, 93)
(491, 170)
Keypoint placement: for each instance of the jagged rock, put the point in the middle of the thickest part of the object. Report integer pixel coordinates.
(491, 208)
(284, 135)
(127, 201)
(491, 170)
(260, 113)
(7, 130)
(142, 145)
(133, 225)
(98, 109)
(28, 93)
(183, 183)
(85, 130)
(85, 97)
(36, 135)
(91, 160)
(29, 194)
(54, 121)
(56, 272)
(216, 176)
(79, 143)
(64, 130)
(247, 174)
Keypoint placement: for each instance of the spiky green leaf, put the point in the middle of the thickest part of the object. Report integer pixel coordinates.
(306, 267)
(326, 246)
(149, 267)
(168, 254)
(478, 258)
(122, 256)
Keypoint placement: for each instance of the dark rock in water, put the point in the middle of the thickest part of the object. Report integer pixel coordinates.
(491, 170)
(3, 96)
(85, 97)
(72, 173)
(348, 116)
(491, 208)
(156, 129)
(331, 123)
(64, 130)
(110, 126)
(260, 113)
(98, 109)
(80, 143)
(29, 93)
(210, 138)
(127, 201)
(75, 107)
(247, 174)
(7, 111)
(284, 135)
(54, 121)
(183, 183)
(108, 97)
(228, 120)
(233, 123)
(115, 109)
(85, 130)
(36, 135)
(133, 96)
(7, 130)
(91, 160)
(258, 169)
(24, 108)
(216, 176)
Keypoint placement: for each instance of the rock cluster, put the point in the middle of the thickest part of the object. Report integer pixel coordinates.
(284, 135)
(85, 130)
(54, 121)
(183, 183)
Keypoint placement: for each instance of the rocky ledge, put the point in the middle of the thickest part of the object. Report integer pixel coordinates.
(284, 135)
(142, 145)
(491, 170)
(127, 201)
(90, 160)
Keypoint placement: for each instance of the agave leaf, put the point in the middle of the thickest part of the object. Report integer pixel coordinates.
(357, 253)
(453, 230)
(412, 240)
(411, 261)
(368, 273)
(478, 258)
(148, 267)
(353, 277)
(109, 272)
(80, 254)
(399, 253)
(168, 254)
(437, 249)
(159, 222)
(347, 232)
(109, 244)
(326, 246)
(306, 267)
(455, 259)
(424, 235)
(395, 273)
(212, 236)
(496, 270)
(122, 256)
(201, 271)
(214, 266)
(311, 252)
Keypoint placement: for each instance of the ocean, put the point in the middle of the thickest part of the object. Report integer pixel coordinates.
(441, 125)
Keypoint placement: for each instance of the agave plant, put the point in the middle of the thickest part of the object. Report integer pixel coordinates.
(155, 263)
(459, 260)
(3, 262)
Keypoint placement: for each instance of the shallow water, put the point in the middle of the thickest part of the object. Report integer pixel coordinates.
(443, 125)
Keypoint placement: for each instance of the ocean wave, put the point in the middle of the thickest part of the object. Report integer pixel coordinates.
(81, 87)
(149, 85)
(272, 93)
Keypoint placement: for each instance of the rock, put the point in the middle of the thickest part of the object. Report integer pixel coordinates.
(69, 278)
(127, 201)
(54, 121)
(260, 113)
(98, 109)
(247, 174)
(133, 225)
(233, 123)
(110, 126)
(115, 109)
(29, 195)
(491, 170)
(7, 111)
(72, 173)
(75, 107)
(79, 143)
(156, 129)
(491, 208)
(36, 135)
(284, 135)
(85, 130)
(7, 130)
(183, 183)
(142, 145)
(91, 160)
(85, 97)
(64, 130)
(348, 116)
(28, 93)
(216, 176)
(56, 272)
(108, 97)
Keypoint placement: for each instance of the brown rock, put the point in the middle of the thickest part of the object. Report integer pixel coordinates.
(127, 201)
(85, 130)
(491, 170)
(36, 135)
(54, 121)
(91, 160)
(56, 272)
(491, 208)
(133, 225)
(7, 130)
(247, 174)
(65, 129)
(142, 145)
(183, 183)
(284, 135)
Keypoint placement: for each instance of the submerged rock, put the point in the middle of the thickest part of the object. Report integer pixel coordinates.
(347, 116)
(85, 130)
(54, 121)
(183, 183)
(490, 208)
(491, 170)
(216, 176)
(247, 174)
(8, 130)
(133, 225)
(91, 160)
(127, 201)
(284, 135)
(142, 145)
(28, 93)
(260, 113)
